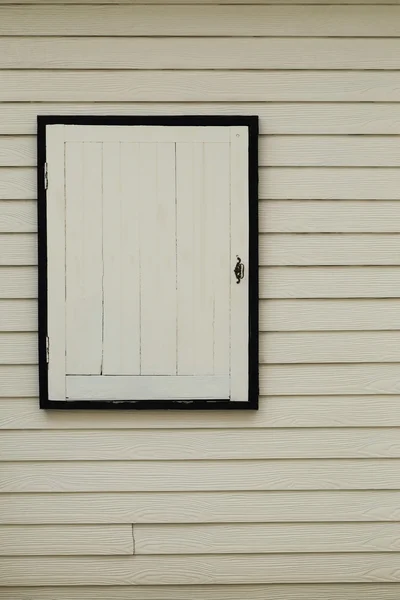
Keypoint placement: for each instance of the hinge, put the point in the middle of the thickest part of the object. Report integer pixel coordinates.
(46, 176)
(47, 349)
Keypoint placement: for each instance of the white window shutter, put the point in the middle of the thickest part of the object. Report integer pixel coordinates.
(145, 226)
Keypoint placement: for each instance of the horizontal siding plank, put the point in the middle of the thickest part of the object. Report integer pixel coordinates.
(197, 53)
(304, 249)
(275, 150)
(231, 475)
(18, 348)
(58, 540)
(142, 20)
(199, 445)
(275, 183)
(328, 282)
(198, 86)
(328, 315)
(275, 118)
(17, 217)
(18, 315)
(312, 216)
(18, 282)
(18, 249)
(274, 412)
(289, 568)
(315, 591)
(329, 347)
(201, 507)
(266, 538)
(275, 380)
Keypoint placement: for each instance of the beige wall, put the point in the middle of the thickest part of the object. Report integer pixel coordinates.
(301, 500)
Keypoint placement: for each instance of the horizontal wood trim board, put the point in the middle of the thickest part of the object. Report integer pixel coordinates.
(161, 476)
(199, 445)
(142, 20)
(337, 591)
(275, 315)
(267, 568)
(274, 412)
(58, 540)
(201, 507)
(198, 86)
(197, 53)
(275, 250)
(275, 282)
(274, 150)
(282, 380)
(19, 348)
(276, 216)
(266, 538)
(275, 118)
(275, 183)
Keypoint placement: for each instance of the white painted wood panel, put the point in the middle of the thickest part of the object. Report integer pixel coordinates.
(289, 568)
(197, 53)
(329, 315)
(56, 540)
(18, 315)
(263, 538)
(157, 259)
(204, 444)
(17, 217)
(328, 216)
(147, 387)
(161, 476)
(314, 591)
(83, 302)
(18, 249)
(142, 20)
(275, 412)
(329, 249)
(200, 86)
(330, 347)
(156, 134)
(275, 117)
(121, 260)
(201, 507)
(275, 183)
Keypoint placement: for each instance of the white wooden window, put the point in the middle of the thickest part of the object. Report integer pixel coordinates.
(145, 225)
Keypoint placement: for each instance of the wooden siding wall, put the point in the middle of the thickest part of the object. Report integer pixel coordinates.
(300, 501)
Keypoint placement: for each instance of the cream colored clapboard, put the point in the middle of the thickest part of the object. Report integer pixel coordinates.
(150, 313)
(353, 591)
(201, 507)
(207, 475)
(59, 540)
(198, 20)
(186, 444)
(378, 118)
(199, 569)
(197, 53)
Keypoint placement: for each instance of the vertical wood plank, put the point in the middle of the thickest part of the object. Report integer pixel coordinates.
(239, 247)
(121, 284)
(84, 261)
(217, 190)
(158, 259)
(55, 148)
